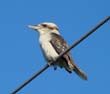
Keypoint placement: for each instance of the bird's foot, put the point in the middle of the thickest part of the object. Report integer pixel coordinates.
(55, 67)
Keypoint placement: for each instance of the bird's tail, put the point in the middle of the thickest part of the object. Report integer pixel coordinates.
(71, 66)
(79, 72)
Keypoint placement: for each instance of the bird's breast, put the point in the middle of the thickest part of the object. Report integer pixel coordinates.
(47, 48)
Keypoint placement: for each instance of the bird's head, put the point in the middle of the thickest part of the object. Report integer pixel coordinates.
(45, 27)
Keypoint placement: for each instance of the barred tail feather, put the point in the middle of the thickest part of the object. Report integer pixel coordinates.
(80, 73)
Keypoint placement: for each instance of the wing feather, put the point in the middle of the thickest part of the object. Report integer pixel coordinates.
(60, 46)
(58, 43)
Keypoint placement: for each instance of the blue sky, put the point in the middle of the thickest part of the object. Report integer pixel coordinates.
(21, 57)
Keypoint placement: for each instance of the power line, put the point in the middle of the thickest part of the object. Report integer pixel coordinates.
(68, 49)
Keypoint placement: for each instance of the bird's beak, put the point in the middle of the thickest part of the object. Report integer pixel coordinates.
(33, 27)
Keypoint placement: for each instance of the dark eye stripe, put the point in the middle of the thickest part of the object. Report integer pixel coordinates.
(51, 28)
(44, 25)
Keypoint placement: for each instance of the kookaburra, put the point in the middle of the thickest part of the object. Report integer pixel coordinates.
(52, 44)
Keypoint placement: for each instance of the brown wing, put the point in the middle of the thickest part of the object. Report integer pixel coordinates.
(60, 46)
(58, 43)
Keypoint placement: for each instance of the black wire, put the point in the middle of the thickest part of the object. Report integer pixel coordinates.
(72, 46)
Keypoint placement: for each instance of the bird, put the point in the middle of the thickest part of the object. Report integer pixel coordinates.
(52, 45)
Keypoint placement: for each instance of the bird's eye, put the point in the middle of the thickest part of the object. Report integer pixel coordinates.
(44, 25)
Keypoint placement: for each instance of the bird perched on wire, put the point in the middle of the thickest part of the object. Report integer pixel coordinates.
(53, 44)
